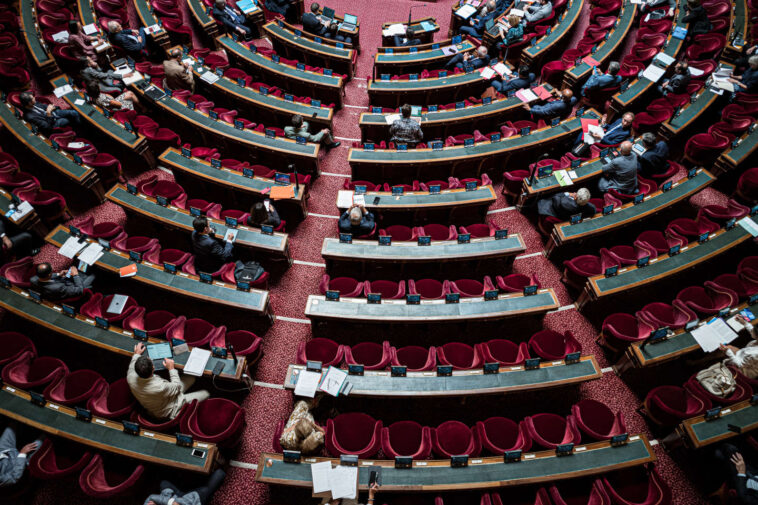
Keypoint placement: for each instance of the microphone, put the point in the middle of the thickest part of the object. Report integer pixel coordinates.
(292, 168)
(411, 10)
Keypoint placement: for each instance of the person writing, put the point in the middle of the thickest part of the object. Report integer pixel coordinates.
(211, 253)
(405, 130)
(357, 221)
(301, 128)
(748, 81)
(65, 284)
(260, 215)
(178, 74)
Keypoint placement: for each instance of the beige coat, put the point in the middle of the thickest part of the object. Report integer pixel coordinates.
(177, 76)
(161, 398)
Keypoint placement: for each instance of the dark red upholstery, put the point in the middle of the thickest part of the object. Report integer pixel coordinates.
(551, 345)
(371, 355)
(47, 463)
(114, 401)
(669, 405)
(416, 358)
(75, 388)
(504, 352)
(620, 330)
(429, 289)
(95, 480)
(196, 332)
(104, 230)
(406, 438)
(19, 272)
(167, 426)
(216, 420)
(515, 283)
(388, 289)
(97, 306)
(327, 351)
(353, 433)
(347, 286)
(246, 343)
(637, 486)
(399, 233)
(659, 314)
(569, 495)
(708, 299)
(35, 373)
(155, 323)
(439, 232)
(743, 288)
(470, 288)
(551, 430)
(597, 421)
(453, 438)
(742, 391)
(13, 345)
(500, 434)
(461, 356)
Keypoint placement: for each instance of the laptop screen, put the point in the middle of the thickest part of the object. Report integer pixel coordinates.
(329, 12)
(159, 351)
(351, 19)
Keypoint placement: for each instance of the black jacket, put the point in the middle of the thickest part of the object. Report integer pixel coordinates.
(211, 253)
(312, 24)
(562, 206)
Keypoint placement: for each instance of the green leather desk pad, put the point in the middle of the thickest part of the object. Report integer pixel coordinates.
(379, 86)
(484, 195)
(146, 14)
(310, 45)
(33, 38)
(445, 116)
(201, 14)
(706, 432)
(738, 154)
(558, 31)
(420, 56)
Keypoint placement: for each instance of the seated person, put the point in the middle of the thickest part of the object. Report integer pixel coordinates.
(79, 43)
(211, 253)
(407, 39)
(739, 476)
(477, 25)
(475, 60)
(559, 107)
(65, 284)
(514, 34)
(13, 461)
(311, 22)
(357, 221)
(134, 42)
(259, 215)
(537, 11)
(178, 74)
(654, 160)
(741, 63)
(15, 244)
(287, 8)
(47, 117)
(599, 80)
(405, 130)
(697, 17)
(124, 101)
(564, 205)
(745, 359)
(614, 133)
(161, 398)
(678, 82)
(301, 433)
(621, 173)
(658, 9)
(522, 80)
(108, 81)
(172, 495)
(334, 33)
(300, 128)
(748, 81)
(232, 18)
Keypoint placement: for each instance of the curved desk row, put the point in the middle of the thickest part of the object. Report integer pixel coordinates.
(741, 150)
(481, 473)
(39, 50)
(148, 18)
(30, 221)
(106, 435)
(182, 284)
(83, 329)
(551, 43)
(737, 29)
(404, 60)
(173, 217)
(423, 29)
(697, 432)
(508, 379)
(200, 12)
(389, 93)
(420, 201)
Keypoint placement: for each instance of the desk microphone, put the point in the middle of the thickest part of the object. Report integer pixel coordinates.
(411, 10)
(230, 347)
(291, 167)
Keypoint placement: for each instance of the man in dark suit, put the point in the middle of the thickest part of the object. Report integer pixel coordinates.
(15, 244)
(559, 107)
(678, 82)
(134, 42)
(210, 252)
(47, 117)
(232, 19)
(655, 158)
(312, 23)
(613, 133)
(65, 284)
(564, 205)
(475, 60)
(740, 477)
(407, 40)
(357, 220)
(621, 173)
(524, 79)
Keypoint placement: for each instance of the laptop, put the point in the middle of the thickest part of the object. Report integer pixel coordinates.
(158, 352)
(350, 22)
(328, 13)
(118, 302)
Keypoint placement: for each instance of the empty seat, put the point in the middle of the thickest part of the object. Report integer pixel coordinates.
(515, 283)
(637, 486)
(620, 330)
(113, 401)
(28, 372)
(453, 438)
(439, 232)
(327, 351)
(169, 425)
(371, 355)
(353, 433)
(551, 345)
(569, 494)
(216, 420)
(98, 305)
(347, 286)
(59, 460)
(155, 323)
(196, 332)
(19, 272)
(429, 289)
(75, 388)
(461, 356)
(406, 438)
(551, 430)
(245, 343)
(399, 233)
(414, 357)
(669, 405)
(504, 352)
(596, 420)
(390, 290)
(708, 299)
(101, 482)
(500, 434)
(659, 315)
(14, 344)
(471, 288)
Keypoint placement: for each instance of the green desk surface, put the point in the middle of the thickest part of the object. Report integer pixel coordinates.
(259, 100)
(84, 330)
(465, 382)
(110, 127)
(665, 266)
(147, 16)
(691, 112)
(437, 475)
(198, 9)
(104, 435)
(550, 184)
(172, 216)
(410, 252)
(416, 25)
(154, 276)
(701, 432)
(249, 137)
(568, 127)
(484, 195)
(265, 62)
(224, 177)
(745, 148)
(399, 55)
(87, 13)
(42, 149)
(471, 309)
(558, 31)
(606, 48)
(443, 117)
(402, 86)
(629, 213)
(307, 44)
(32, 34)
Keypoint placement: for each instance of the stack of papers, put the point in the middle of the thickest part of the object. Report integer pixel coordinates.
(664, 59)
(517, 12)
(696, 72)
(196, 362)
(90, 29)
(653, 72)
(750, 225)
(307, 383)
(466, 11)
(526, 95)
(563, 177)
(394, 29)
(135, 77)
(61, 37)
(359, 200)
(63, 90)
(588, 138)
(333, 381)
(338, 482)
(344, 199)
(709, 336)
(391, 118)
(71, 246)
(209, 77)
(91, 254)
(487, 73)
(502, 69)
(23, 209)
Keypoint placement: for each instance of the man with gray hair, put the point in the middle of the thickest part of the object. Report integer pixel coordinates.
(475, 60)
(654, 160)
(134, 42)
(178, 74)
(599, 80)
(564, 205)
(357, 221)
(538, 11)
(748, 81)
(621, 173)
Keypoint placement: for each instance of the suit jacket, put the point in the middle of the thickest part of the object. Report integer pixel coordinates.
(517, 83)
(312, 24)
(746, 496)
(750, 79)
(655, 160)
(11, 467)
(191, 498)
(211, 253)
(161, 398)
(177, 77)
(615, 133)
(552, 109)
(401, 41)
(229, 19)
(698, 19)
(59, 287)
(620, 174)
(39, 118)
(97, 75)
(128, 41)
(536, 12)
(366, 226)
(562, 206)
(602, 81)
(278, 6)
(679, 82)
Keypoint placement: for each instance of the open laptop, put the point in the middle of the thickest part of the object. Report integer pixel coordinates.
(327, 15)
(158, 352)
(351, 21)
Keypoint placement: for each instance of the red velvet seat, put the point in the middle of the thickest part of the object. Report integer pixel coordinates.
(155, 323)
(596, 420)
(636, 486)
(414, 357)
(97, 306)
(551, 345)
(216, 420)
(399, 233)
(165, 426)
(327, 351)
(748, 269)
(704, 148)
(353, 433)
(371, 355)
(515, 283)
(390, 290)
(104, 230)
(35, 373)
(744, 289)
(438, 232)
(245, 343)
(470, 288)
(720, 214)
(669, 405)
(75, 388)
(137, 244)
(453, 438)
(742, 391)
(95, 480)
(658, 240)
(747, 186)
(160, 256)
(621, 329)
(706, 45)
(370, 186)
(578, 269)
(551, 430)
(347, 286)
(569, 494)
(195, 331)
(480, 230)
(19, 272)
(13, 345)
(461, 356)
(49, 205)
(17, 179)
(659, 315)
(500, 434)
(406, 438)
(692, 229)
(708, 299)
(58, 461)
(504, 352)
(113, 401)
(155, 187)
(429, 289)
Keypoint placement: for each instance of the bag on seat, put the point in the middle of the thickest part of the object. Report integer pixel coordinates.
(717, 380)
(248, 271)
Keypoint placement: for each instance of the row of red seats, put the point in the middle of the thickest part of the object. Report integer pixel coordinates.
(50, 206)
(13, 58)
(747, 186)
(451, 183)
(266, 51)
(691, 303)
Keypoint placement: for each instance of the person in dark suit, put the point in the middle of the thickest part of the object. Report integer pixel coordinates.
(564, 205)
(260, 215)
(210, 252)
(357, 221)
(333, 32)
(559, 107)
(232, 19)
(697, 17)
(15, 244)
(655, 158)
(65, 284)
(311, 22)
(134, 42)
(477, 25)
(47, 117)
(475, 60)
(679, 81)
(740, 477)
(599, 80)
(407, 39)
(524, 79)
(199, 496)
(748, 81)
(621, 173)
(287, 8)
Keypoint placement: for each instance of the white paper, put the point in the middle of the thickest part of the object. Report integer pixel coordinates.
(343, 481)
(71, 246)
(79, 101)
(63, 90)
(502, 69)
(487, 73)
(209, 77)
(196, 361)
(320, 476)
(152, 29)
(724, 85)
(231, 235)
(527, 95)
(517, 12)
(710, 336)
(466, 11)
(448, 50)
(653, 73)
(135, 77)
(333, 381)
(738, 324)
(122, 70)
(99, 48)
(22, 210)
(750, 225)
(61, 37)
(359, 200)
(344, 199)
(394, 29)
(307, 382)
(91, 253)
(665, 59)
(721, 73)
(90, 29)
(588, 138)
(75, 145)
(696, 72)
(391, 118)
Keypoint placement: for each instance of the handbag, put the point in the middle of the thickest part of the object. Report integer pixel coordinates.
(717, 379)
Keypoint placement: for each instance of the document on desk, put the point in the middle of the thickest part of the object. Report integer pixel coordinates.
(709, 336)
(359, 199)
(61, 37)
(91, 254)
(664, 59)
(71, 246)
(427, 26)
(517, 12)
(90, 29)
(448, 50)
(196, 361)
(343, 482)
(394, 29)
(593, 129)
(696, 72)
(526, 95)
(750, 225)
(502, 69)
(564, 179)
(307, 383)
(391, 118)
(344, 199)
(320, 476)
(487, 73)
(231, 235)
(153, 29)
(63, 90)
(22, 210)
(333, 381)
(466, 11)
(209, 77)
(247, 6)
(118, 302)
(653, 73)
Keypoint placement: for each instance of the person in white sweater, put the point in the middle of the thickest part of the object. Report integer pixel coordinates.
(745, 359)
(161, 398)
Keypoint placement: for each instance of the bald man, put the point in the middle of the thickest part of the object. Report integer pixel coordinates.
(178, 74)
(621, 173)
(559, 107)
